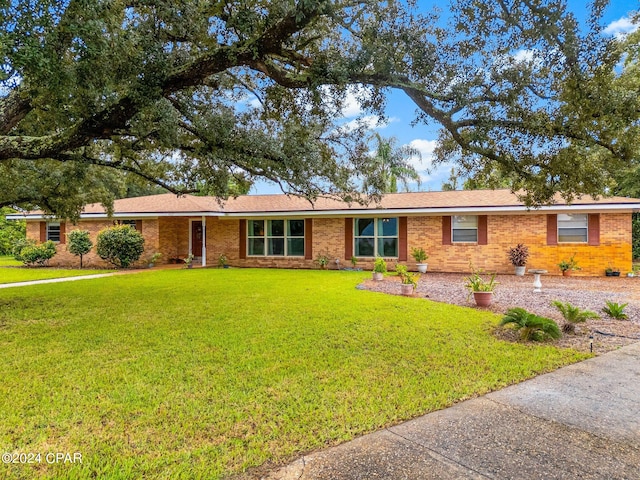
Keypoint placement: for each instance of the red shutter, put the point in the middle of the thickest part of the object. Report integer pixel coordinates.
(348, 238)
(63, 231)
(446, 230)
(43, 231)
(402, 239)
(243, 239)
(483, 238)
(594, 229)
(308, 239)
(139, 225)
(552, 229)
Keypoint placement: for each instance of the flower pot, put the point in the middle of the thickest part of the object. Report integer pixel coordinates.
(190, 265)
(483, 299)
(566, 273)
(378, 276)
(406, 290)
(422, 267)
(615, 274)
(520, 271)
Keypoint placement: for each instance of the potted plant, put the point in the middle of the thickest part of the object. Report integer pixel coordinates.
(420, 256)
(154, 259)
(481, 289)
(223, 261)
(612, 271)
(188, 261)
(518, 256)
(322, 261)
(379, 269)
(354, 261)
(408, 281)
(568, 266)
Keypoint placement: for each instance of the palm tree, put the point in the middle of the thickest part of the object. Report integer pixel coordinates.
(530, 325)
(392, 166)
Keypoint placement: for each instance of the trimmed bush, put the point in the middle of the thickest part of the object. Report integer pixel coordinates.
(31, 254)
(531, 326)
(79, 243)
(120, 245)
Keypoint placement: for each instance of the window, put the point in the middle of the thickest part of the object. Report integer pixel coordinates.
(131, 223)
(573, 228)
(464, 228)
(280, 238)
(376, 237)
(53, 231)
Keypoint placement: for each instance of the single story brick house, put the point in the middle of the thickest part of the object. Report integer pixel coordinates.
(456, 228)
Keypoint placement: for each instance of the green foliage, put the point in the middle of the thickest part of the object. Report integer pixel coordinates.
(476, 283)
(32, 254)
(120, 245)
(573, 315)
(635, 234)
(419, 255)
(406, 277)
(570, 264)
(615, 310)
(79, 243)
(10, 231)
(222, 261)
(256, 90)
(391, 165)
(531, 326)
(322, 260)
(354, 261)
(379, 265)
(180, 382)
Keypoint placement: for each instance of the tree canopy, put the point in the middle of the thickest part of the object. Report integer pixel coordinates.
(204, 96)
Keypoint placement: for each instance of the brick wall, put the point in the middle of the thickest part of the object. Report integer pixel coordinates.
(170, 236)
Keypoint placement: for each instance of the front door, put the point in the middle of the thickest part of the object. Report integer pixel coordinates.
(196, 238)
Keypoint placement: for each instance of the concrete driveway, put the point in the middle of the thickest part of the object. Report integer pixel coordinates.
(582, 421)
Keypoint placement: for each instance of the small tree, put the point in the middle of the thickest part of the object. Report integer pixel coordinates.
(120, 245)
(79, 243)
(29, 253)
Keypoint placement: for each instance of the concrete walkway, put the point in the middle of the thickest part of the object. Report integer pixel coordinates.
(582, 421)
(58, 280)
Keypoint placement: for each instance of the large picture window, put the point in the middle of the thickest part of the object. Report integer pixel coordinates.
(464, 228)
(376, 237)
(53, 231)
(573, 228)
(279, 238)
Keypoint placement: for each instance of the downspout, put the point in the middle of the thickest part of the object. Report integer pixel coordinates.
(204, 241)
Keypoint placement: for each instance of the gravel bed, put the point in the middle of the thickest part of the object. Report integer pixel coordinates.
(585, 292)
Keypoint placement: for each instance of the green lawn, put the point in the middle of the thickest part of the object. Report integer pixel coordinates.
(11, 271)
(205, 373)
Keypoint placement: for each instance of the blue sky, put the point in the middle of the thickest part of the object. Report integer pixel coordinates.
(401, 111)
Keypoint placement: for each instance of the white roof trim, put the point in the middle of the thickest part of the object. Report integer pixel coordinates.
(514, 209)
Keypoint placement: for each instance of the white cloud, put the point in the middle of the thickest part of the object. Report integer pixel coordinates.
(523, 56)
(423, 163)
(351, 107)
(370, 122)
(621, 27)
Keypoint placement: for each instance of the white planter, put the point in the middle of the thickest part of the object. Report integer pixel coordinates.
(378, 276)
(406, 290)
(520, 271)
(422, 267)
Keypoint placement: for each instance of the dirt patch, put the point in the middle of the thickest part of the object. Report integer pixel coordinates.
(585, 292)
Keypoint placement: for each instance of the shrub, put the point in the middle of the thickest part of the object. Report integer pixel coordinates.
(573, 315)
(615, 310)
(29, 253)
(79, 243)
(531, 326)
(518, 255)
(406, 277)
(419, 255)
(120, 245)
(380, 266)
(11, 231)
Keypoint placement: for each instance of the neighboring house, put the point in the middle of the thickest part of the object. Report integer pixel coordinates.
(457, 229)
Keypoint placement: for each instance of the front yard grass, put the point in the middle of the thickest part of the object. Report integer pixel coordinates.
(10, 274)
(205, 373)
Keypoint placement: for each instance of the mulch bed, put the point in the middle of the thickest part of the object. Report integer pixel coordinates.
(585, 292)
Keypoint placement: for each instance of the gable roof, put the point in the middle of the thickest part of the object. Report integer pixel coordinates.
(448, 203)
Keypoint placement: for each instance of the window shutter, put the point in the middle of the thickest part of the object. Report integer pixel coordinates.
(63, 229)
(594, 229)
(43, 231)
(243, 240)
(139, 225)
(348, 238)
(402, 239)
(308, 239)
(446, 230)
(552, 229)
(483, 238)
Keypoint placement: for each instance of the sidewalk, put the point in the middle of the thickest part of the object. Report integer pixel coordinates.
(582, 421)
